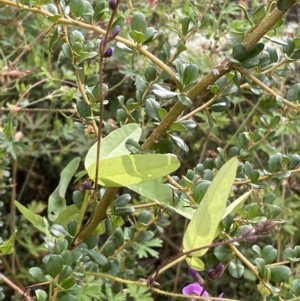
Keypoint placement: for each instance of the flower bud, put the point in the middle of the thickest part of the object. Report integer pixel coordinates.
(108, 52)
(112, 4)
(115, 32)
(216, 272)
(87, 185)
(196, 276)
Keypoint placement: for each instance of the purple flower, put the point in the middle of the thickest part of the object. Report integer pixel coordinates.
(115, 32)
(197, 290)
(87, 185)
(112, 4)
(216, 272)
(108, 52)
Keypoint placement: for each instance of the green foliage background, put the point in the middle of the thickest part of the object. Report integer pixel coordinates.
(165, 51)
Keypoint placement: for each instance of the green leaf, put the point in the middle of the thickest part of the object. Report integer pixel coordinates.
(139, 293)
(151, 107)
(280, 273)
(178, 127)
(6, 247)
(114, 144)
(137, 36)
(185, 22)
(239, 52)
(203, 226)
(41, 295)
(284, 4)
(35, 219)
(195, 263)
(150, 74)
(83, 109)
(269, 254)
(67, 51)
(236, 205)
(190, 74)
(67, 215)
(57, 201)
(220, 105)
(163, 93)
(236, 268)
(255, 50)
(180, 143)
(37, 274)
(184, 100)
(150, 34)
(125, 48)
(132, 169)
(138, 22)
(162, 194)
(293, 93)
(223, 253)
(54, 265)
(77, 7)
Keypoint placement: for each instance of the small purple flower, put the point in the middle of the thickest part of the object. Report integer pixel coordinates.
(112, 4)
(115, 32)
(197, 290)
(108, 52)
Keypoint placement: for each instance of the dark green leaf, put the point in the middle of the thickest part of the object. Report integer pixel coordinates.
(151, 107)
(223, 253)
(150, 74)
(269, 254)
(138, 22)
(185, 22)
(280, 273)
(133, 146)
(190, 75)
(137, 36)
(180, 143)
(220, 105)
(184, 100)
(54, 265)
(77, 7)
(67, 51)
(83, 109)
(236, 268)
(293, 93)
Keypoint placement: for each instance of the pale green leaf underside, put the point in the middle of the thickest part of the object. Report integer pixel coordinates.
(132, 169)
(202, 228)
(113, 145)
(234, 206)
(35, 219)
(161, 193)
(57, 201)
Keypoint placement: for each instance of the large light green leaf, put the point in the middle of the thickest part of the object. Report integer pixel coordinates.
(163, 194)
(57, 201)
(113, 145)
(203, 226)
(132, 169)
